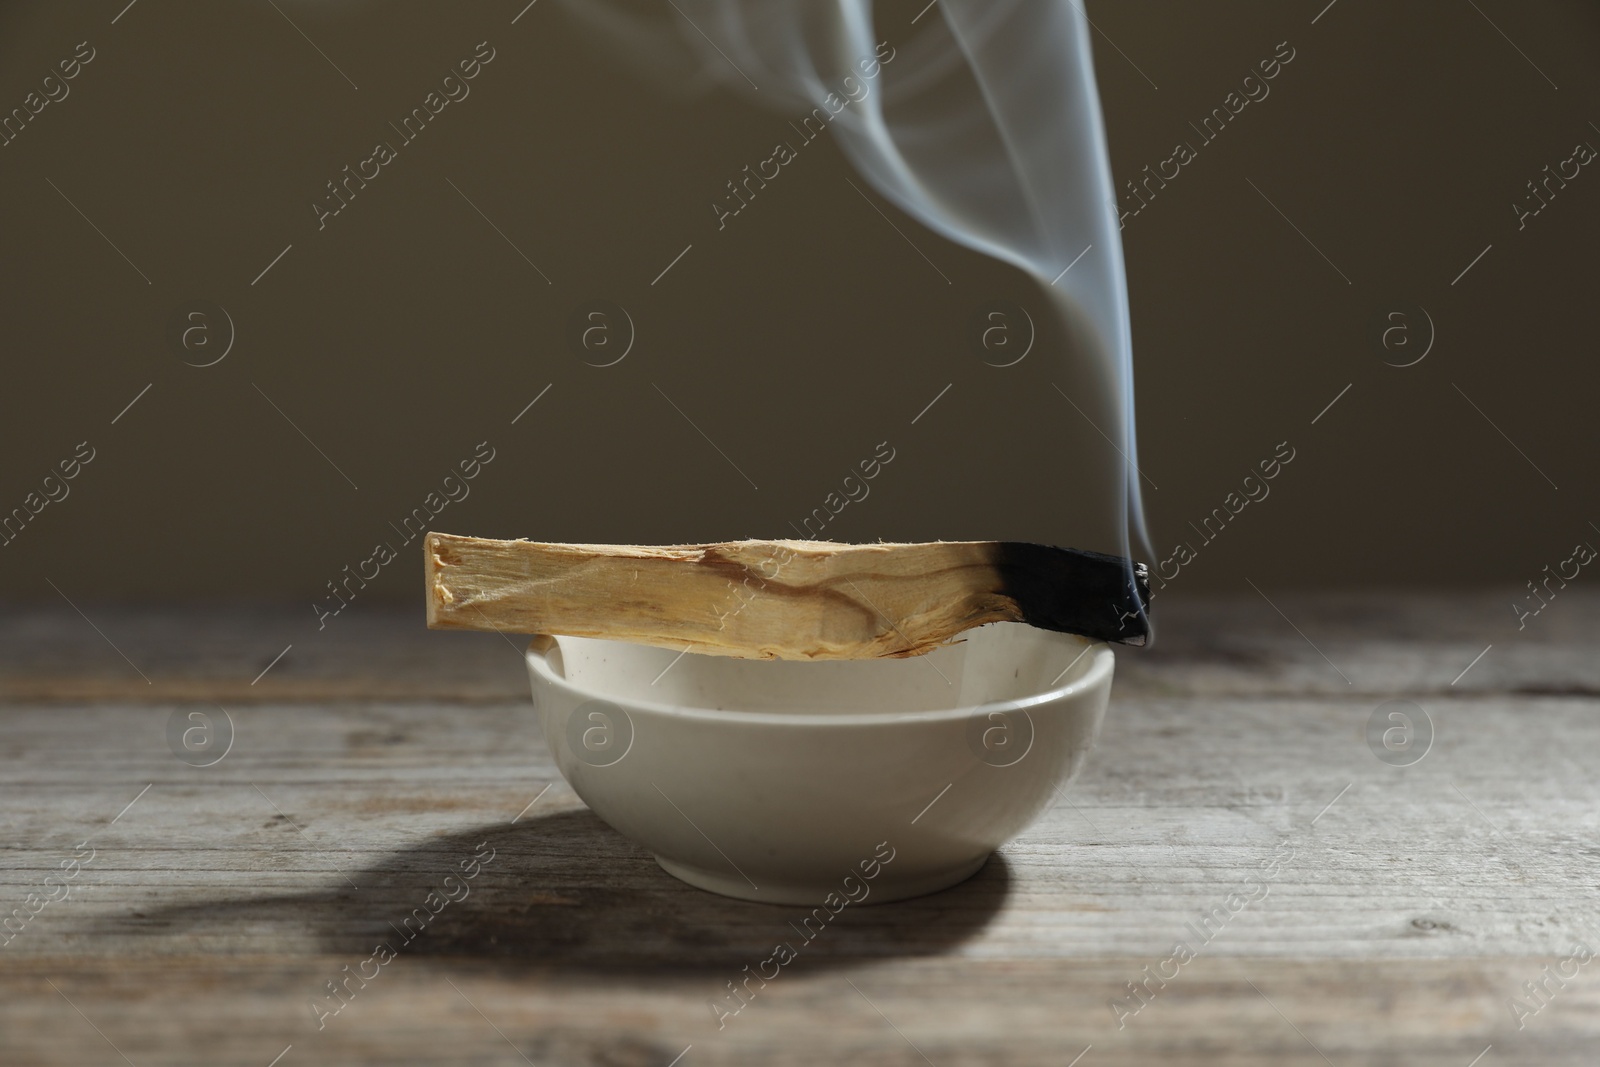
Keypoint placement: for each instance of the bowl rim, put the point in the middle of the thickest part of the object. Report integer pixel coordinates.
(1095, 676)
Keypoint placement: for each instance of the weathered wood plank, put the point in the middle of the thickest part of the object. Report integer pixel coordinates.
(1366, 643)
(232, 656)
(187, 1010)
(1483, 848)
(1409, 906)
(1385, 645)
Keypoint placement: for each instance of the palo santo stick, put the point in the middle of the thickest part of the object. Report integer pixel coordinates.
(807, 600)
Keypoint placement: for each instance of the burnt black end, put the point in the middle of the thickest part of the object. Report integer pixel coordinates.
(1077, 592)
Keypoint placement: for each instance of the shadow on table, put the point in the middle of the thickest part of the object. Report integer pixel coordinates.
(566, 891)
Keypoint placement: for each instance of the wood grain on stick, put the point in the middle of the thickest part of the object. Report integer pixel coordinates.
(808, 600)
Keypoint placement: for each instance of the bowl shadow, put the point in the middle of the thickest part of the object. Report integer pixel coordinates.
(565, 891)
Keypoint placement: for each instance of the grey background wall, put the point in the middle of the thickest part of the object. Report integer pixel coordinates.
(372, 355)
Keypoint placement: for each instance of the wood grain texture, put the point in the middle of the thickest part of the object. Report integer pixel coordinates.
(798, 600)
(1414, 904)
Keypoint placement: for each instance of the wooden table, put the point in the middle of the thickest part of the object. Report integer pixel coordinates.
(1409, 907)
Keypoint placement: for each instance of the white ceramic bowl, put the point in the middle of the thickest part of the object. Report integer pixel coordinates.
(785, 781)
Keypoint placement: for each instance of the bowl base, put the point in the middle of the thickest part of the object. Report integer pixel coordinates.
(885, 888)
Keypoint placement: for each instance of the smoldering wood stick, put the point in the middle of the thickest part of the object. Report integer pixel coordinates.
(806, 600)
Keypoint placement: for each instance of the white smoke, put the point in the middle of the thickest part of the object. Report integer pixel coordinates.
(985, 126)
